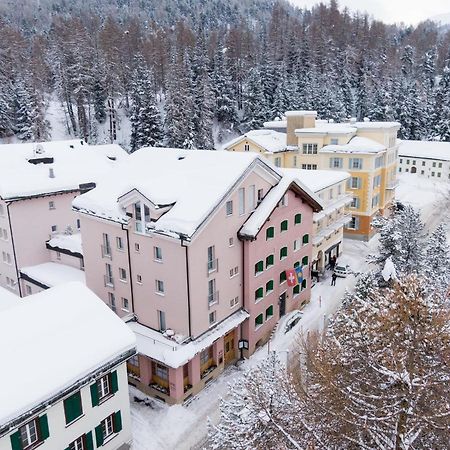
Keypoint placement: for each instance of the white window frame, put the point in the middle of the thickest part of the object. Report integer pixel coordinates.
(51, 205)
(29, 433)
(157, 254)
(107, 425)
(119, 243)
(122, 274)
(103, 387)
(241, 196)
(229, 208)
(159, 287)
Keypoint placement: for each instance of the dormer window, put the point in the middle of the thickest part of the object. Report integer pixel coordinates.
(141, 219)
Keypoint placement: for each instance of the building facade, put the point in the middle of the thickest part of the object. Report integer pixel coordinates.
(426, 159)
(170, 257)
(74, 400)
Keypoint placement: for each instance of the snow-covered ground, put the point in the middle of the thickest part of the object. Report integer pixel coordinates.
(159, 426)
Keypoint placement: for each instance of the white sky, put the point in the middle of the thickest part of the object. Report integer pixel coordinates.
(389, 11)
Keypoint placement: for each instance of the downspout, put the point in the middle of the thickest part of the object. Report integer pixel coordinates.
(187, 285)
(129, 266)
(14, 248)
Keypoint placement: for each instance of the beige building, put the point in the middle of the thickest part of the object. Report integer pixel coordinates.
(367, 150)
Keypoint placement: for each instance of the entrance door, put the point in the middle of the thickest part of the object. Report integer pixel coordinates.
(282, 302)
(230, 352)
(413, 169)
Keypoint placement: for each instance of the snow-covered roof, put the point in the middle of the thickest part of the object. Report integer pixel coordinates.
(276, 124)
(425, 149)
(154, 345)
(300, 113)
(52, 340)
(269, 140)
(316, 180)
(257, 219)
(356, 145)
(53, 274)
(328, 128)
(195, 182)
(7, 299)
(69, 242)
(72, 162)
(367, 125)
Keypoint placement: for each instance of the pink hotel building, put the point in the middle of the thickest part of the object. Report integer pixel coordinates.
(190, 248)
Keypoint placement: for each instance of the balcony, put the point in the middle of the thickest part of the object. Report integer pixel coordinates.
(109, 281)
(213, 299)
(106, 251)
(212, 266)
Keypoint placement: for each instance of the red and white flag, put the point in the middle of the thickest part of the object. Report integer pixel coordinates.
(291, 277)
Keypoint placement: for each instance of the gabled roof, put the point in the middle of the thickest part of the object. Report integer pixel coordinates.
(52, 274)
(71, 243)
(195, 182)
(258, 218)
(316, 180)
(356, 145)
(425, 149)
(52, 341)
(25, 168)
(269, 140)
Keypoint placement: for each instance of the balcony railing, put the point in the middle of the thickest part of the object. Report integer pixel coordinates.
(109, 281)
(212, 265)
(106, 251)
(213, 298)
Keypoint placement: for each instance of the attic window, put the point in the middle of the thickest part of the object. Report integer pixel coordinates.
(112, 158)
(71, 146)
(181, 157)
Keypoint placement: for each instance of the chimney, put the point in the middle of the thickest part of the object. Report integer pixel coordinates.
(296, 120)
(51, 172)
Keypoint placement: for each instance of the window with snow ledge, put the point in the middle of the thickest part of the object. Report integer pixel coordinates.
(259, 268)
(259, 320)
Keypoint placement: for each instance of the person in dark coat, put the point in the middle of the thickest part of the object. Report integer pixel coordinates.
(333, 279)
(332, 262)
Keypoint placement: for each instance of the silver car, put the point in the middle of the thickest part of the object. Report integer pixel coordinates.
(341, 271)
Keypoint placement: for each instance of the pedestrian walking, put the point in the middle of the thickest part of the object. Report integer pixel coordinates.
(332, 262)
(333, 279)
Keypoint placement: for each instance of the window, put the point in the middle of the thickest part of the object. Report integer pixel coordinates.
(354, 183)
(134, 360)
(283, 252)
(234, 271)
(78, 224)
(353, 224)
(309, 149)
(422, 172)
(136, 248)
(241, 195)
(51, 205)
(251, 197)
(230, 242)
(125, 304)
(259, 320)
(112, 301)
(106, 247)
(119, 243)
(104, 388)
(259, 267)
(269, 287)
(423, 163)
(434, 164)
(375, 200)
(440, 165)
(284, 225)
(355, 163)
(72, 407)
(205, 356)
(31, 433)
(309, 166)
(54, 228)
(296, 290)
(296, 244)
(269, 261)
(157, 253)
(107, 427)
(260, 194)
(284, 200)
(246, 147)
(334, 141)
(354, 203)
(212, 317)
(139, 279)
(229, 207)
(304, 285)
(305, 239)
(305, 261)
(282, 277)
(5, 234)
(377, 181)
(159, 286)
(298, 219)
(122, 274)
(213, 295)
(162, 320)
(212, 262)
(336, 163)
(259, 294)
(28, 289)
(269, 312)
(379, 161)
(234, 302)
(439, 174)
(407, 161)
(295, 161)
(277, 161)
(78, 444)
(330, 194)
(432, 174)
(270, 232)
(160, 371)
(400, 169)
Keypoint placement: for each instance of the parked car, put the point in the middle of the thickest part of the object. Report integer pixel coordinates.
(341, 271)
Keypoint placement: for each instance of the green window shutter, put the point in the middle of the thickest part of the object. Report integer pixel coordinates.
(284, 225)
(269, 261)
(94, 394)
(89, 441)
(297, 289)
(114, 382)
(296, 264)
(269, 286)
(43, 427)
(16, 442)
(99, 436)
(298, 219)
(72, 407)
(117, 422)
(305, 238)
(303, 284)
(67, 448)
(359, 183)
(283, 252)
(259, 267)
(305, 261)
(282, 276)
(270, 233)
(259, 293)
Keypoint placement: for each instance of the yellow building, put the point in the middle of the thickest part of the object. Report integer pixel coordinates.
(367, 150)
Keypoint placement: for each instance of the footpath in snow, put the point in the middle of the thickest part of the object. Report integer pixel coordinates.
(156, 425)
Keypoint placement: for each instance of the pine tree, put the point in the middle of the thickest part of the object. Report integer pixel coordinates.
(437, 260)
(442, 123)
(99, 95)
(6, 126)
(23, 112)
(256, 110)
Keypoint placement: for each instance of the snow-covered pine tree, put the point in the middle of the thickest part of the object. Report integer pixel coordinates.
(442, 113)
(99, 94)
(23, 108)
(401, 237)
(262, 411)
(379, 378)
(437, 259)
(6, 100)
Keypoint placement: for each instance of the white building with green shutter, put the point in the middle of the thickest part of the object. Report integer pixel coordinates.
(63, 382)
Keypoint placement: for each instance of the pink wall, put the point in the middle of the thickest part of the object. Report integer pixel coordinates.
(65, 259)
(259, 250)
